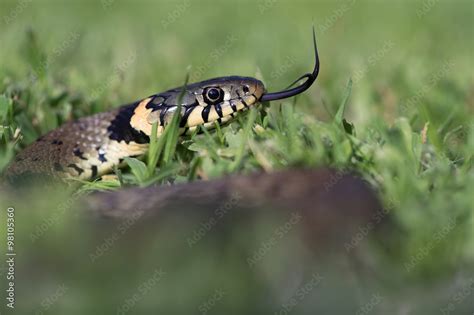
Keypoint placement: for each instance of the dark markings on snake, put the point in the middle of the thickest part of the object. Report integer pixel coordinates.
(77, 152)
(58, 142)
(205, 113)
(219, 110)
(186, 114)
(76, 168)
(94, 171)
(155, 103)
(232, 105)
(121, 130)
(102, 157)
(162, 115)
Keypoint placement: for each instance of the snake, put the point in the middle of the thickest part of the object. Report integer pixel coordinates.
(92, 146)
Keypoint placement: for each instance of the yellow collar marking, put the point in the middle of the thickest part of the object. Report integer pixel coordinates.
(139, 118)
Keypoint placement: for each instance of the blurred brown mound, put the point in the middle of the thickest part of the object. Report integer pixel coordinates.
(331, 205)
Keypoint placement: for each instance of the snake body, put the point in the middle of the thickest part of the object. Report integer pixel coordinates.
(94, 145)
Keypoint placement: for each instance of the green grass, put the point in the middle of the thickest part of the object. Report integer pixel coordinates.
(404, 122)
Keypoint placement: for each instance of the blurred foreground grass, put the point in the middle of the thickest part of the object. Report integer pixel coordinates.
(408, 128)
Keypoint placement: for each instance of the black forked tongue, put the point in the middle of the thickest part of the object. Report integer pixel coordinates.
(310, 78)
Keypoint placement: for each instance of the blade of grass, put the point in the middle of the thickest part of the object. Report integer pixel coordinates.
(246, 132)
(172, 139)
(172, 135)
(138, 168)
(118, 172)
(167, 171)
(219, 133)
(340, 112)
(212, 146)
(165, 145)
(154, 150)
(195, 163)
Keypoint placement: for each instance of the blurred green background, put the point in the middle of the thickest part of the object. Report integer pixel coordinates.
(411, 104)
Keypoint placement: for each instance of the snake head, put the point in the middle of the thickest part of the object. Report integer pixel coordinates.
(215, 100)
(206, 102)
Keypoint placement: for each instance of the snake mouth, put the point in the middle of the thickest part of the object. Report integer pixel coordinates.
(310, 78)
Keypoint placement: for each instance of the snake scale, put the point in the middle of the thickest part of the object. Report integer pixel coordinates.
(92, 146)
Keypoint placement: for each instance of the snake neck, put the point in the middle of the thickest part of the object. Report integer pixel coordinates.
(121, 128)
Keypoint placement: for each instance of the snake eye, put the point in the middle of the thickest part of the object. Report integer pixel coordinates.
(213, 95)
(246, 89)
